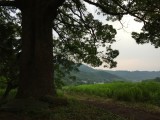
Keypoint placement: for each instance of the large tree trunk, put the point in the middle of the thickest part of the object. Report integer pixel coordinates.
(36, 70)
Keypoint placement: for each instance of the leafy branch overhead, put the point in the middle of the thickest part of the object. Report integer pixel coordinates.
(150, 13)
(83, 33)
(79, 35)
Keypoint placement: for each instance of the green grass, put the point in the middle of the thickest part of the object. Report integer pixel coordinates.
(148, 92)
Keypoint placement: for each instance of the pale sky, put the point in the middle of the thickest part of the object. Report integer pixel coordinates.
(132, 56)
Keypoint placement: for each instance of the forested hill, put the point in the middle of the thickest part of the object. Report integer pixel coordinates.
(90, 75)
(93, 75)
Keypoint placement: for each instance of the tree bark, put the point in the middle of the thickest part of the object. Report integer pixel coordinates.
(36, 69)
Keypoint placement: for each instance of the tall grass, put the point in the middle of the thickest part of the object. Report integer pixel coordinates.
(124, 91)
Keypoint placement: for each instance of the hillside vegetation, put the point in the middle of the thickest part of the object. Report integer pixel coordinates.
(88, 75)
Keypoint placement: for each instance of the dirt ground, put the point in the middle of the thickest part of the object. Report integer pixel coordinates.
(11, 116)
(123, 111)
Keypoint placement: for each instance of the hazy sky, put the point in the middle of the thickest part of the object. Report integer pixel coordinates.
(132, 56)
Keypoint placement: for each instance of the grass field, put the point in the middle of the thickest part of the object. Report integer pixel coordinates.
(148, 92)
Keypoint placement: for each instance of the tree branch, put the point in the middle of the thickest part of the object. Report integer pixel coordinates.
(8, 3)
(129, 12)
(105, 10)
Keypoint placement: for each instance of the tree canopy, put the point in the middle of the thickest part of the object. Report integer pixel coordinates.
(149, 14)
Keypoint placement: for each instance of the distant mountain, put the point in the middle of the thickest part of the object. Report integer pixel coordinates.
(136, 75)
(89, 75)
(125, 75)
